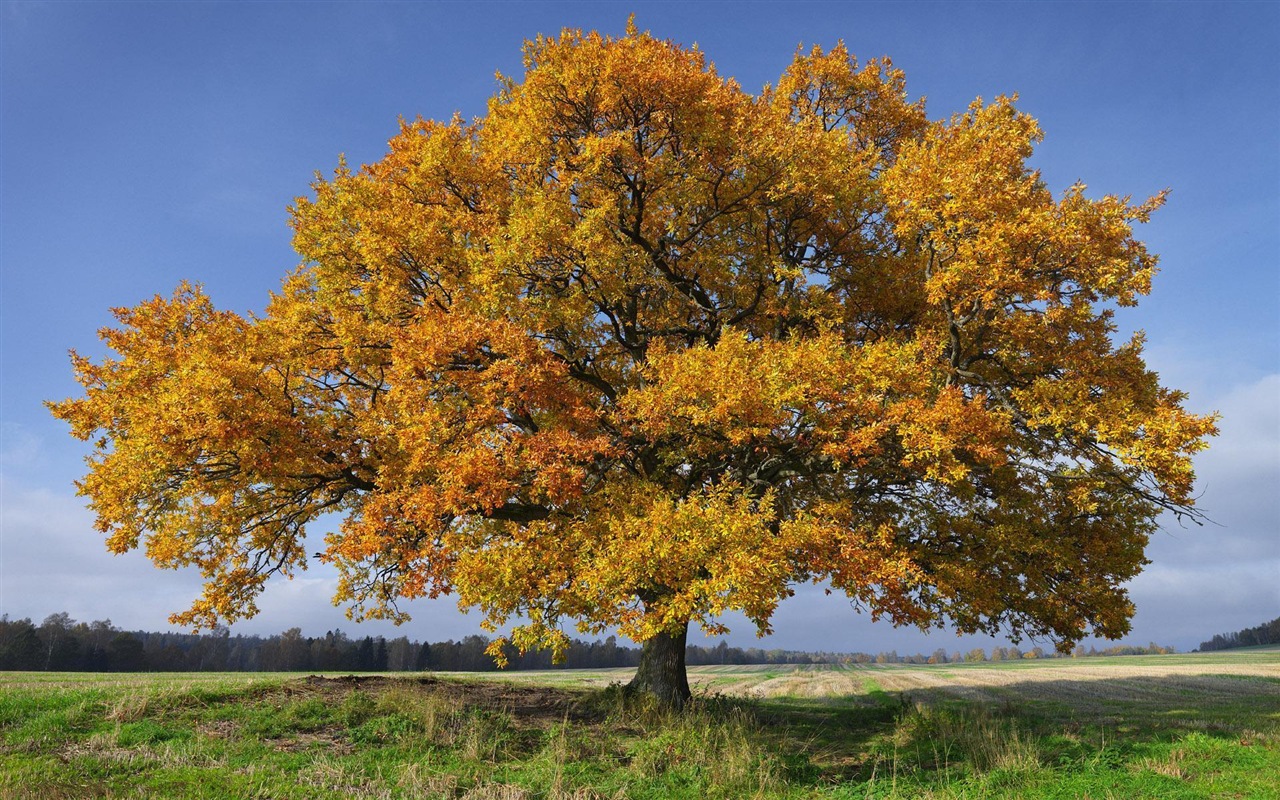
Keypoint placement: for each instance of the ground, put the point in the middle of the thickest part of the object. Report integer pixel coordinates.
(1176, 726)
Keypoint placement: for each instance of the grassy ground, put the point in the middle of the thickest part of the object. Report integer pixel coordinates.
(1187, 726)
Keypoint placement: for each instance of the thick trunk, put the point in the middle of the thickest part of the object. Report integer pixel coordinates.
(662, 670)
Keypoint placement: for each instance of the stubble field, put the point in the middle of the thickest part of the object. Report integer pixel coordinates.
(1174, 726)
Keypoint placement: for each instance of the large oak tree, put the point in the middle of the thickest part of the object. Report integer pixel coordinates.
(639, 348)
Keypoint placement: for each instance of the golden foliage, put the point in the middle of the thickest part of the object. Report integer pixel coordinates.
(639, 348)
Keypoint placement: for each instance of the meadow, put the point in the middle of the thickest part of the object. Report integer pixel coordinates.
(1172, 726)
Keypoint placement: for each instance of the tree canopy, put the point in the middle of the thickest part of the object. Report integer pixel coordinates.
(638, 348)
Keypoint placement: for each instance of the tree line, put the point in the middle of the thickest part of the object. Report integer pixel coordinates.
(1266, 633)
(61, 644)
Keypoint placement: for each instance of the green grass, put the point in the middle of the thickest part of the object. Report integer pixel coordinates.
(1097, 728)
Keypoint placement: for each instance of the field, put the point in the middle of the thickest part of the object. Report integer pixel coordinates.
(1176, 726)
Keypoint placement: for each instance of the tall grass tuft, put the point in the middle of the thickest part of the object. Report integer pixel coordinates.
(972, 737)
(482, 735)
(130, 707)
(714, 741)
(431, 713)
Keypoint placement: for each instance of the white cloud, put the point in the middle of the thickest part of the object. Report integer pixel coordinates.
(1239, 481)
(1186, 605)
(1223, 575)
(51, 559)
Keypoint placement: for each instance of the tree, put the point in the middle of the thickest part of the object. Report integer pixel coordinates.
(1266, 633)
(20, 645)
(61, 647)
(125, 653)
(639, 348)
(401, 656)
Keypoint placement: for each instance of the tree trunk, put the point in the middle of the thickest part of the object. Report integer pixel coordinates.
(662, 669)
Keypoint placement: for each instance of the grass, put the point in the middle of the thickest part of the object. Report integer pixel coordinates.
(1192, 726)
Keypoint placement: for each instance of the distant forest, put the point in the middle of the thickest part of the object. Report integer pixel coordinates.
(61, 644)
(1266, 633)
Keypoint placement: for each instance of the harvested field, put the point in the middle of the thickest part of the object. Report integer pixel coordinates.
(1110, 678)
(1127, 677)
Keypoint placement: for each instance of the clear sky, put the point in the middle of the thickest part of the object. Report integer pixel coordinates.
(146, 143)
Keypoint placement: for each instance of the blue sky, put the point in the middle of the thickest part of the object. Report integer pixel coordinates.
(145, 143)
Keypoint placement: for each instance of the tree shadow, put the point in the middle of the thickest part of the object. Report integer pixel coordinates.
(1019, 725)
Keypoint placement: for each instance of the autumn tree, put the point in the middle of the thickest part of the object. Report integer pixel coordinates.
(638, 348)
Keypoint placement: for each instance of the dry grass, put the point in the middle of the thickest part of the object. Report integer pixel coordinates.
(1102, 679)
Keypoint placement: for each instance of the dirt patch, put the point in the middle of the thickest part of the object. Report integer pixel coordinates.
(218, 729)
(533, 704)
(331, 742)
